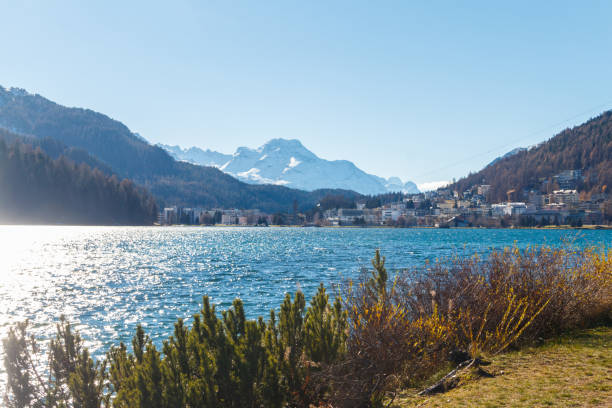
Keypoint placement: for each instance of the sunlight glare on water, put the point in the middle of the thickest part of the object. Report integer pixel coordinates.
(106, 280)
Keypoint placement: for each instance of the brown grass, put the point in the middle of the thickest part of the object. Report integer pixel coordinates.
(574, 370)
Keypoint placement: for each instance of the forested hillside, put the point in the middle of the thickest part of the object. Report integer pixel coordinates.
(36, 189)
(117, 148)
(587, 147)
(107, 139)
(54, 149)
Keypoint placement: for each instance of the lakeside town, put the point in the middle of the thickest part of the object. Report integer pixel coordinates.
(556, 203)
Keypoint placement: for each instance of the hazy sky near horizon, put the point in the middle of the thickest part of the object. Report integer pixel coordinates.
(421, 90)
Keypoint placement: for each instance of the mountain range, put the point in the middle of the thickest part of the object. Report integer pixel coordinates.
(107, 144)
(288, 163)
(93, 139)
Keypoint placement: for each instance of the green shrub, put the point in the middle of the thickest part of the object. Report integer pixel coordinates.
(220, 361)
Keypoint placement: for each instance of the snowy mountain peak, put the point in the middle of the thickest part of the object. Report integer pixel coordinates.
(284, 144)
(286, 148)
(196, 155)
(287, 162)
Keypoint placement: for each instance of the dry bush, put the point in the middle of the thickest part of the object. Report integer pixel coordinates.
(401, 332)
(514, 295)
(386, 343)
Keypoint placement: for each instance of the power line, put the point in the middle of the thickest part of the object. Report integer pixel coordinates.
(529, 136)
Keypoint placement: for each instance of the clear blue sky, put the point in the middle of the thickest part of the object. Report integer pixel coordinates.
(421, 90)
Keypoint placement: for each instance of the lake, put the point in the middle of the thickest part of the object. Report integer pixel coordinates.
(108, 279)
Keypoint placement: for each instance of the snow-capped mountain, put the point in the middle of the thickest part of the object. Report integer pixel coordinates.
(196, 155)
(289, 163)
(394, 184)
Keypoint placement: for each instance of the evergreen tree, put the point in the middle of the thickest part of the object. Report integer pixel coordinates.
(325, 329)
(379, 274)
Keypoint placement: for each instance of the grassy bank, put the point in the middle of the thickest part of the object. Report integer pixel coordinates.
(572, 370)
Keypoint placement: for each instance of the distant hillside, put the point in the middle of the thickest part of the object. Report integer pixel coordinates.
(129, 155)
(54, 148)
(587, 147)
(36, 189)
(287, 162)
(107, 139)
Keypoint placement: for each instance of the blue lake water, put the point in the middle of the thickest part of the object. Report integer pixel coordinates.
(108, 279)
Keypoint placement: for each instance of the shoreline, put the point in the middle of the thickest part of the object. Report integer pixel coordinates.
(548, 227)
